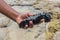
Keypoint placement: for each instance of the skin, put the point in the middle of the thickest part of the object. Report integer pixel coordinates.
(14, 15)
(42, 20)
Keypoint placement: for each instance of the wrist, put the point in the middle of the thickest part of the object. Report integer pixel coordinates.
(18, 19)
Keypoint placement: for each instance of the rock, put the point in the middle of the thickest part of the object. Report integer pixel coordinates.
(3, 33)
(26, 9)
(21, 2)
(13, 32)
(11, 2)
(27, 2)
(4, 21)
(56, 36)
(23, 34)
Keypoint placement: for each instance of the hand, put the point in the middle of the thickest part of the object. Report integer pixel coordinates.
(23, 16)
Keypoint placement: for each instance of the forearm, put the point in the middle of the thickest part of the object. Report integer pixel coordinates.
(7, 10)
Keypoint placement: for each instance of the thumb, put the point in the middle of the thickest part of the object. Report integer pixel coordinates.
(30, 14)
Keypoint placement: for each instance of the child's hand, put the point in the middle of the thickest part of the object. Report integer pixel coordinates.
(23, 16)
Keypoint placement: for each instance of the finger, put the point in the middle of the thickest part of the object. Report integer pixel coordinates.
(26, 26)
(42, 20)
(30, 24)
(30, 14)
(25, 15)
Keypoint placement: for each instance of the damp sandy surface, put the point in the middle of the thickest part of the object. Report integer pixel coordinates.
(9, 30)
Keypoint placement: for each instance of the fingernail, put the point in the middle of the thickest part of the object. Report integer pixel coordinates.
(31, 24)
(26, 26)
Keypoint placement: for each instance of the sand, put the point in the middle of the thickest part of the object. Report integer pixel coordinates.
(9, 30)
